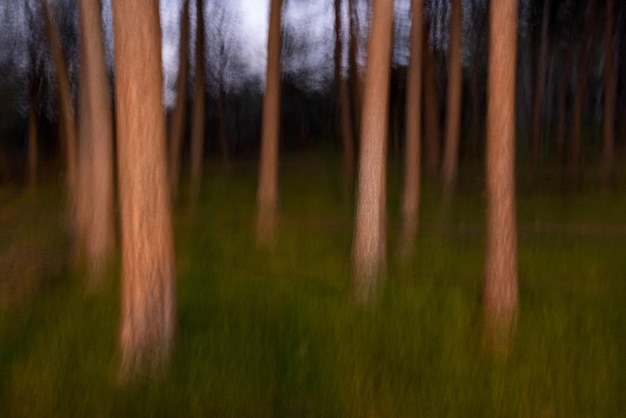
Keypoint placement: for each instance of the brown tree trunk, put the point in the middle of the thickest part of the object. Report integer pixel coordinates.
(66, 109)
(500, 287)
(148, 269)
(453, 114)
(540, 80)
(610, 89)
(475, 110)
(221, 109)
(267, 194)
(584, 61)
(343, 100)
(368, 246)
(356, 81)
(95, 197)
(562, 103)
(33, 150)
(177, 126)
(197, 126)
(411, 194)
(431, 110)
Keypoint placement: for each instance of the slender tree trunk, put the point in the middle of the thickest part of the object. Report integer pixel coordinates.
(431, 111)
(95, 198)
(197, 126)
(584, 61)
(500, 287)
(412, 164)
(64, 91)
(33, 150)
(356, 83)
(177, 126)
(148, 269)
(562, 102)
(540, 80)
(221, 109)
(368, 246)
(475, 92)
(343, 100)
(610, 96)
(267, 195)
(453, 114)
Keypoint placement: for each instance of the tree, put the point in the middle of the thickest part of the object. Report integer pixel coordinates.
(610, 89)
(33, 156)
(453, 114)
(148, 270)
(343, 100)
(95, 195)
(66, 109)
(540, 80)
(177, 126)
(267, 194)
(578, 107)
(368, 246)
(197, 125)
(410, 199)
(500, 286)
(431, 108)
(356, 82)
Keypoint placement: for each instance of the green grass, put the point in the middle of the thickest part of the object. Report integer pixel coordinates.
(273, 333)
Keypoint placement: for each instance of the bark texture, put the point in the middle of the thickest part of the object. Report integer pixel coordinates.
(453, 114)
(267, 193)
(148, 270)
(95, 198)
(368, 246)
(177, 126)
(198, 123)
(412, 165)
(500, 287)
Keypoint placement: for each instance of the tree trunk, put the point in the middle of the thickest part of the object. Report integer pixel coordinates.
(431, 110)
(148, 269)
(353, 67)
(197, 127)
(500, 287)
(368, 246)
(453, 114)
(33, 151)
(267, 195)
(66, 109)
(562, 102)
(343, 101)
(475, 92)
(584, 61)
(221, 109)
(610, 89)
(411, 194)
(177, 126)
(95, 198)
(540, 80)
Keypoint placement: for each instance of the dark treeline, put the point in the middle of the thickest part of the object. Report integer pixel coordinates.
(561, 84)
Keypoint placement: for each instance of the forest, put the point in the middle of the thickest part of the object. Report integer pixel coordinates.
(367, 208)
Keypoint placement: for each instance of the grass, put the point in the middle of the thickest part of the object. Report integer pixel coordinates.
(273, 333)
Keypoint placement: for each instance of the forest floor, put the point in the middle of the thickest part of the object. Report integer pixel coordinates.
(274, 333)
